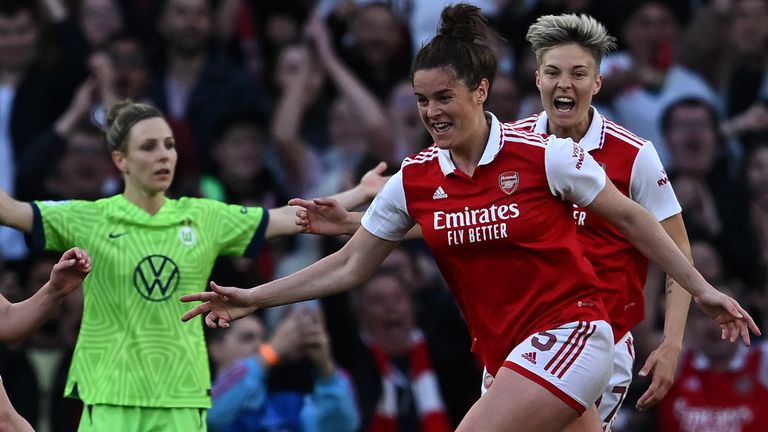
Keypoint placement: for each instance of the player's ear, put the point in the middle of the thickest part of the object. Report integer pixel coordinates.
(482, 91)
(598, 84)
(118, 158)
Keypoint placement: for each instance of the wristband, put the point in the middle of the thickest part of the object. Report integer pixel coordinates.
(268, 354)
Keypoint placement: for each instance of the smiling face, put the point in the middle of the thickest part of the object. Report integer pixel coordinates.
(450, 110)
(149, 160)
(567, 79)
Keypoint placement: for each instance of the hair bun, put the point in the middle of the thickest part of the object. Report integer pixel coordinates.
(464, 22)
(115, 111)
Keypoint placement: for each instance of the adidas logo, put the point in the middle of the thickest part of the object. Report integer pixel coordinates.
(439, 193)
(530, 356)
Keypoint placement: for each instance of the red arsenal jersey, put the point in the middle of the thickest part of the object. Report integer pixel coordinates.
(704, 400)
(635, 169)
(504, 239)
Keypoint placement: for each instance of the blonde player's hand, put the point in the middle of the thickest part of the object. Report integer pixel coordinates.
(323, 216)
(68, 274)
(662, 363)
(727, 312)
(222, 305)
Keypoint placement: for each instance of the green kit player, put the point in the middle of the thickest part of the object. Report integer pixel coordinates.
(135, 366)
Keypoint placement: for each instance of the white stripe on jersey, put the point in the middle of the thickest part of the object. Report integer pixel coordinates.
(523, 137)
(623, 134)
(425, 155)
(526, 123)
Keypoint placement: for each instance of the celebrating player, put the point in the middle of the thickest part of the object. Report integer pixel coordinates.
(134, 366)
(569, 49)
(494, 205)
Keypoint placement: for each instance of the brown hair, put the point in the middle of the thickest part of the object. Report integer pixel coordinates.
(121, 118)
(459, 44)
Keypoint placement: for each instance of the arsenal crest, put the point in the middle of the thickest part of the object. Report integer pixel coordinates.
(508, 181)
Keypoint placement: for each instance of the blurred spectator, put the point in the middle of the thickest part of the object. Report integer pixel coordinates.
(243, 399)
(721, 386)
(402, 375)
(356, 120)
(709, 194)
(642, 80)
(243, 169)
(196, 84)
(379, 52)
(33, 92)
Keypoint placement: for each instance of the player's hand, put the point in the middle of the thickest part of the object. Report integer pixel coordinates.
(323, 216)
(222, 305)
(68, 274)
(373, 180)
(727, 312)
(662, 363)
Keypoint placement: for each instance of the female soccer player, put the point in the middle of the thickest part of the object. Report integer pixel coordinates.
(134, 366)
(569, 49)
(494, 205)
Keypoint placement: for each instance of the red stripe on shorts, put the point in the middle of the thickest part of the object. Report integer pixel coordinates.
(563, 396)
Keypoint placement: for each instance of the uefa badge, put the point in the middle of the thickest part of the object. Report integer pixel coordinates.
(187, 236)
(508, 181)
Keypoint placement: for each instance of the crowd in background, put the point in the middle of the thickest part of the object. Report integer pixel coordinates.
(272, 99)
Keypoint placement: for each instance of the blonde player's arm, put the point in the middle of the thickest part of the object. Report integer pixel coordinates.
(647, 235)
(662, 362)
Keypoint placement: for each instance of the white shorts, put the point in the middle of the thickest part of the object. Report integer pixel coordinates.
(573, 361)
(610, 402)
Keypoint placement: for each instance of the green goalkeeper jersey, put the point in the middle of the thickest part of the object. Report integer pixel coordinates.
(133, 349)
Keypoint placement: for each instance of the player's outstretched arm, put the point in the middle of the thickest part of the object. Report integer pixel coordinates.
(338, 272)
(647, 235)
(662, 362)
(14, 213)
(20, 319)
(282, 220)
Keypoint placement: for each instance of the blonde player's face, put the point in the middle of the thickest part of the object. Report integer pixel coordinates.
(567, 79)
(448, 108)
(150, 160)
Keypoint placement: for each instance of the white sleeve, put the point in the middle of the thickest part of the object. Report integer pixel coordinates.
(571, 172)
(649, 185)
(387, 216)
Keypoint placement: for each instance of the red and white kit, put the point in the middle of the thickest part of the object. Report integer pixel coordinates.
(505, 241)
(634, 167)
(704, 400)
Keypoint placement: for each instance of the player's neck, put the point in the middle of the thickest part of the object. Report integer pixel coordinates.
(466, 157)
(148, 201)
(575, 132)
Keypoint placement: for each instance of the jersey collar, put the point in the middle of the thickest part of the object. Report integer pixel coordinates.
(492, 147)
(592, 140)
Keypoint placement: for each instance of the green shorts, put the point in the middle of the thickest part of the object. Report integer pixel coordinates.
(115, 418)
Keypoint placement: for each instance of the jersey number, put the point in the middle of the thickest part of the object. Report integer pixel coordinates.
(539, 342)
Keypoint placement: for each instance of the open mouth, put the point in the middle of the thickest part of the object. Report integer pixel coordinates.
(163, 172)
(564, 104)
(442, 127)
